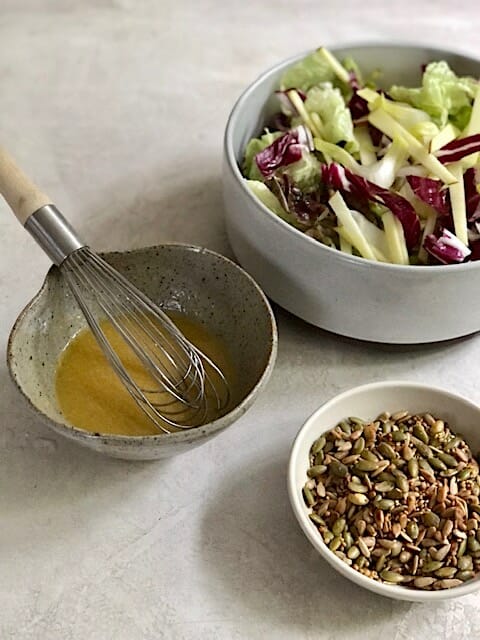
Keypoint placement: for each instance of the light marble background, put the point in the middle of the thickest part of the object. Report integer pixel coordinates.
(117, 107)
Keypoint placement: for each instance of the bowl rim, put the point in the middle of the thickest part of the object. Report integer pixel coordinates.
(232, 163)
(186, 435)
(297, 505)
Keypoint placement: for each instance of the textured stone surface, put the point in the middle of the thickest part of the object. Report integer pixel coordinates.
(117, 108)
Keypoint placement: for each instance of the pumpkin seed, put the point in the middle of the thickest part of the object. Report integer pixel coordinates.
(335, 544)
(360, 499)
(398, 436)
(357, 487)
(366, 465)
(430, 519)
(338, 526)
(338, 469)
(387, 451)
(464, 575)
(391, 576)
(420, 433)
(423, 581)
(319, 444)
(449, 583)
(348, 539)
(446, 572)
(464, 474)
(452, 443)
(431, 565)
(317, 470)
(473, 544)
(353, 552)
(327, 536)
(412, 467)
(437, 464)
(448, 459)
(369, 455)
(309, 497)
(465, 563)
(384, 486)
(359, 445)
(422, 448)
(385, 504)
(316, 518)
(462, 547)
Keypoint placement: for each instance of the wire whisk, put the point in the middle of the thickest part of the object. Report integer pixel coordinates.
(186, 388)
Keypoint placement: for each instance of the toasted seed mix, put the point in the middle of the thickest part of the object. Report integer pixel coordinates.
(398, 499)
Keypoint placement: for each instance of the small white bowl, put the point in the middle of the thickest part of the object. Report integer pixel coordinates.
(368, 401)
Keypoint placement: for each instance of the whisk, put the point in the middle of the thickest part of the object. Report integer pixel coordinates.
(187, 388)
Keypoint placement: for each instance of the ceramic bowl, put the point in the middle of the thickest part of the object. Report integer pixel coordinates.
(347, 295)
(367, 402)
(202, 284)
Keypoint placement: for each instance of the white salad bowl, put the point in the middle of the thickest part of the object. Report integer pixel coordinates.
(367, 402)
(344, 294)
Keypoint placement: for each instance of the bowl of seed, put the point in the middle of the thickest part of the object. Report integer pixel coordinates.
(384, 482)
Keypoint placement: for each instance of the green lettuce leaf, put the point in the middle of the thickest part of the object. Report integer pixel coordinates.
(271, 201)
(250, 169)
(336, 118)
(307, 73)
(305, 173)
(445, 96)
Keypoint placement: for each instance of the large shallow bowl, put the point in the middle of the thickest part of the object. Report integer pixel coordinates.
(347, 295)
(203, 285)
(367, 402)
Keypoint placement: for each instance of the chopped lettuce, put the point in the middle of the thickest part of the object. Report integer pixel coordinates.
(327, 101)
(270, 200)
(309, 72)
(391, 177)
(445, 96)
(305, 173)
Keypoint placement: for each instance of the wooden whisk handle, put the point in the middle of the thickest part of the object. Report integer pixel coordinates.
(22, 195)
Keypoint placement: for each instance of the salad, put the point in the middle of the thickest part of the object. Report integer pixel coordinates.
(391, 176)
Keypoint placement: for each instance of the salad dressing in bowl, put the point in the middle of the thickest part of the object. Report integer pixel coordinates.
(222, 309)
(92, 397)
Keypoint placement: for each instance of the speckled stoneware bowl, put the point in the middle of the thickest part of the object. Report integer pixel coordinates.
(200, 283)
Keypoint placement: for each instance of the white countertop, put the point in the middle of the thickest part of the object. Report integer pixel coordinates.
(117, 108)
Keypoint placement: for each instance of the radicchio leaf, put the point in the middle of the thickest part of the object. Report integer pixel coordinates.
(305, 207)
(459, 148)
(341, 179)
(432, 192)
(447, 248)
(283, 151)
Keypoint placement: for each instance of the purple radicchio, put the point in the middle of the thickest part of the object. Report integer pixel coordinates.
(459, 148)
(284, 150)
(447, 248)
(341, 179)
(432, 192)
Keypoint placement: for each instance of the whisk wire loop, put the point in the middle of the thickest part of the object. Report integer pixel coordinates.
(186, 385)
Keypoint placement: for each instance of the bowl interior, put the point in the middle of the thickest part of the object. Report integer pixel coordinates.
(198, 283)
(398, 64)
(367, 402)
